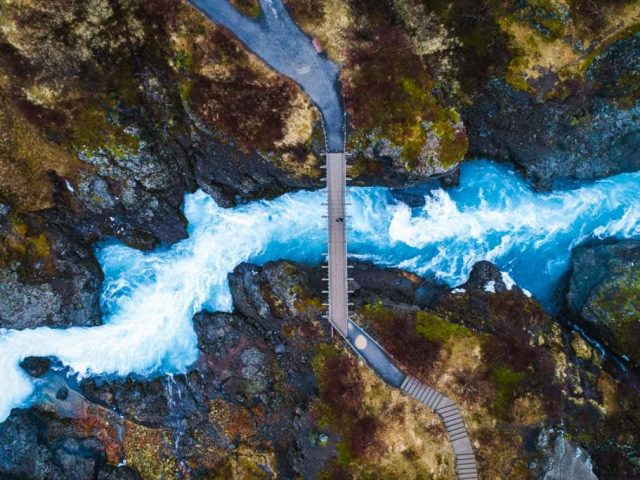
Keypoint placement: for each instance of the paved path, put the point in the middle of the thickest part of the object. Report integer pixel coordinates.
(374, 355)
(279, 42)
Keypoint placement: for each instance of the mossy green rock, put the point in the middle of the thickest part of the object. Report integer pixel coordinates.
(604, 291)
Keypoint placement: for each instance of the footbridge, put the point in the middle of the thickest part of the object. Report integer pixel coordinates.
(337, 278)
(366, 347)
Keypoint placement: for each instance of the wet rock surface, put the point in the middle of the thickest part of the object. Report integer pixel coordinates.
(603, 293)
(563, 459)
(485, 275)
(26, 453)
(584, 137)
(36, 366)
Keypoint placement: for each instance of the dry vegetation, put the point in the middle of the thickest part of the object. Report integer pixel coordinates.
(504, 382)
(384, 433)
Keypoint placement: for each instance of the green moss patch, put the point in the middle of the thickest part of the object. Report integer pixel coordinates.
(93, 130)
(438, 330)
(507, 382)
(248, 7)
(617, 306)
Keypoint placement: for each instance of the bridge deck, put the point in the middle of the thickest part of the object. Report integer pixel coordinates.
(337, 259)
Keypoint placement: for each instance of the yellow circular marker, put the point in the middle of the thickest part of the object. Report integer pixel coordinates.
(361, 342)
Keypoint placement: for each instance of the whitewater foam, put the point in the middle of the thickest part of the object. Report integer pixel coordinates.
(149, 299)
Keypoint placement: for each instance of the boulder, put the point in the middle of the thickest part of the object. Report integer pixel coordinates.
(485, 276)
(36, 366)
(46, 277)
(395, 285)
(245, 284)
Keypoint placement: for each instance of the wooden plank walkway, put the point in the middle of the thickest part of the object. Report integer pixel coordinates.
(448, 411)
(336, 169)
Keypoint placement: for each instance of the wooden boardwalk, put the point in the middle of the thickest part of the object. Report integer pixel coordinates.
(336, 168)
(466, 467)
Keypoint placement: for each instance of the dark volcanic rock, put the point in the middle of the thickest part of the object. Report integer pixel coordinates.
(395, 285)
(145, 403)
(48, 278)
(604, 292)
(583, 137)
(229, 174)
(78, 457)
(269, 292)
(246, 290)
(591, 132)
(26, 453)
(109, 472)
(239, 391)
(485, 275)
(62, 393)
(21, 453)
(36, 366)
(617, 70)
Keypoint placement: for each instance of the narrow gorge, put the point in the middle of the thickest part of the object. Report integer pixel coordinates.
(163, 231)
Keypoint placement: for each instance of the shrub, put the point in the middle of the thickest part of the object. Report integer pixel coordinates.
(398, 334)
(507, 381)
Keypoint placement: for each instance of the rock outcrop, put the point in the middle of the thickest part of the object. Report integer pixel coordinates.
(565, 106)
(604, 294)
(562, 459)
(24, 453)
(553, 142)
(47, 277)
